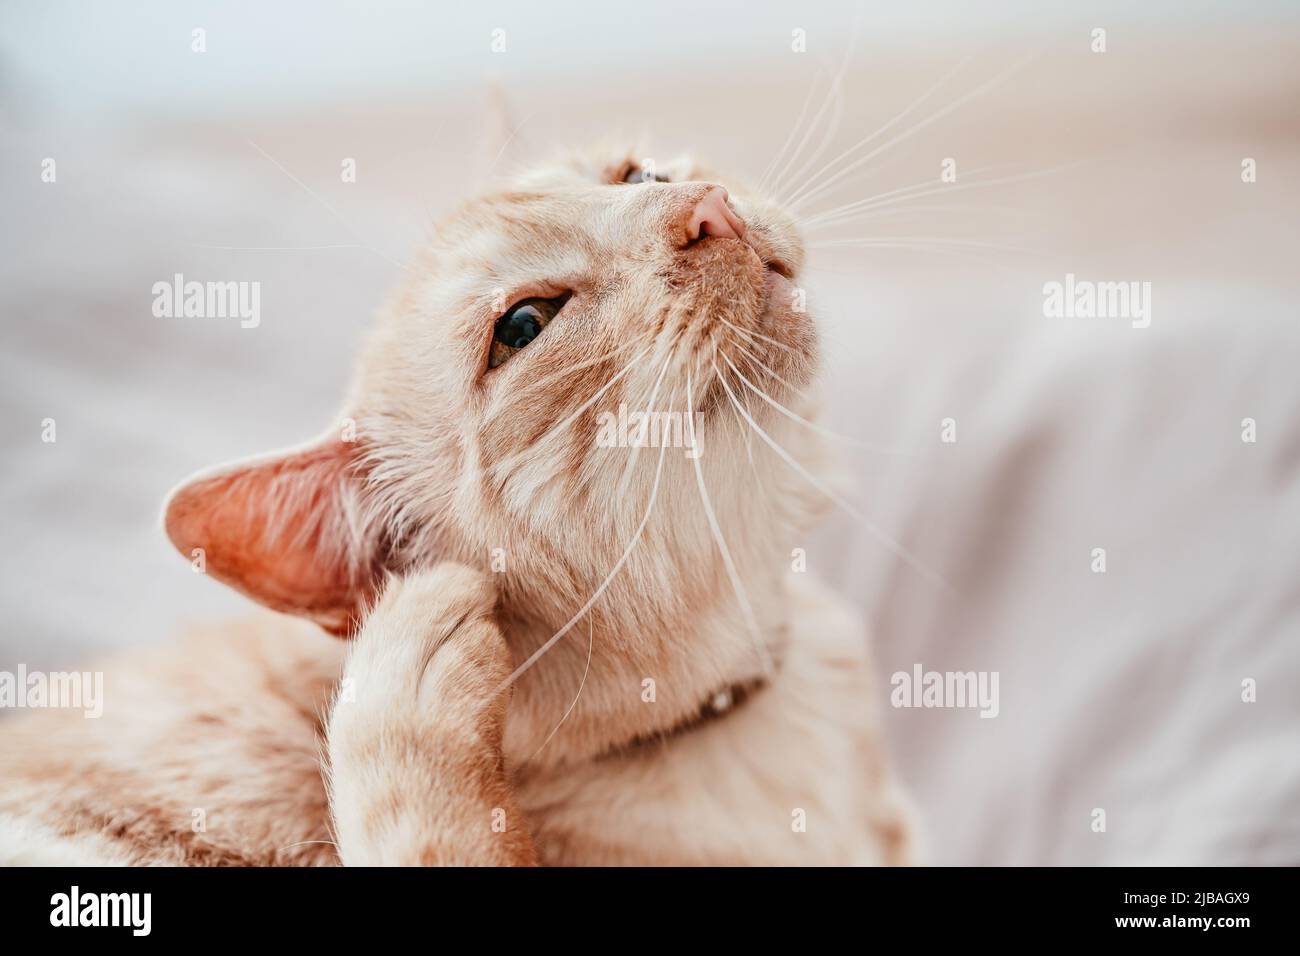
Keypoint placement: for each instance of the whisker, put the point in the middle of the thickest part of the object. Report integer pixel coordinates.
(594, 398)
(898, 213)
(892, 197)
(926, 184)
(939, 249)
(748, 437)
(808, 195)
(636, 449)
(832, 127)
(636, 536)
(760, 335)
(915, 563)
(783, 172)
(591, 643)
(835, 95)
(747, 609)
(803, 393)
(336, 245)
(805, 422)
(922, 240)
(861, 143)
(332, 211)
(747, 434)
(570, 369)
(825, 333)
(771, 166)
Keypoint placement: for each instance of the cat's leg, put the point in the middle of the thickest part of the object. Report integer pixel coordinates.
(416, 770)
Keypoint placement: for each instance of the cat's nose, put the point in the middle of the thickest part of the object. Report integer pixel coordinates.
(711, 216)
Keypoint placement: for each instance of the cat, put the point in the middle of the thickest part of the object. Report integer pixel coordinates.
(556, 651)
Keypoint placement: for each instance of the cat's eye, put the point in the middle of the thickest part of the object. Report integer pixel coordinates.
(522, 323)
(635, 174)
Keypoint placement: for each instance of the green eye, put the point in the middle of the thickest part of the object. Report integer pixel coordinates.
(522, 323)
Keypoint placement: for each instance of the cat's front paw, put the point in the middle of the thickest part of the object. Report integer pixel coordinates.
(415, 769)
(428, 657)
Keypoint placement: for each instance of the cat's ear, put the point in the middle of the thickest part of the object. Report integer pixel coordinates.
(285, 529)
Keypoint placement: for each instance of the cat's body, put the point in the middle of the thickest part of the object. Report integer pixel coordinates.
(214, 758)
(564, 652)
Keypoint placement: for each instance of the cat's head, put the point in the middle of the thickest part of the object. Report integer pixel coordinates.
(494, 418)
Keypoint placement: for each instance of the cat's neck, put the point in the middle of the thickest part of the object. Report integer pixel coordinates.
(600, 687)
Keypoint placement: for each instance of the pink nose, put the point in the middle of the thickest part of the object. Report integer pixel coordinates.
(713, 217)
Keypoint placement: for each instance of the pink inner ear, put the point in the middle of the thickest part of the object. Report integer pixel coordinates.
(281, 530)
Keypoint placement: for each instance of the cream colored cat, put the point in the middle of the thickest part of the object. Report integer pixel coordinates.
(565, 650)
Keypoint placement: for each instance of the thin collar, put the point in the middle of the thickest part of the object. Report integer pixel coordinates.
(717, 705)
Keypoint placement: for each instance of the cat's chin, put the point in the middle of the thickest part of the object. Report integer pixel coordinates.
(786, 337)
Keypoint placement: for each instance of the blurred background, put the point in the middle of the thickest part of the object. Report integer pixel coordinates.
(1120, 691)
